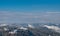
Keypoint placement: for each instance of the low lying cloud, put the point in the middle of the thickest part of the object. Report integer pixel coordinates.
(29, 17)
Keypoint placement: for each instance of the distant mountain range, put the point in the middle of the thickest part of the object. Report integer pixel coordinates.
(37, 29)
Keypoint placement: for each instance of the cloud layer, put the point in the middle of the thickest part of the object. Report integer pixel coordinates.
(24, 17)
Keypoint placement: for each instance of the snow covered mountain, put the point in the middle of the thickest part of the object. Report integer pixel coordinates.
(36, 29)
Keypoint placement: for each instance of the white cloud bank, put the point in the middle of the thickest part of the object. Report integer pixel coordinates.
(24, 17)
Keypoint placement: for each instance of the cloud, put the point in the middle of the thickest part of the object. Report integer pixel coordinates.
(28, 17)
(53, 12)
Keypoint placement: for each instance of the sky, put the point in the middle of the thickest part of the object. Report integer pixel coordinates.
(29, 11)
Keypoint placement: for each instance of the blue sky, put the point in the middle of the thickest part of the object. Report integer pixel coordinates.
(30, 5)
(29, 11)
(16, 5)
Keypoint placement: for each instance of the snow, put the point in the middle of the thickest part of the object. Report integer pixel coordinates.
(3, 24)
(11, 32)
(6, 29)
(57, 29)
(30, 26)
(15, 31)
(23, 28)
